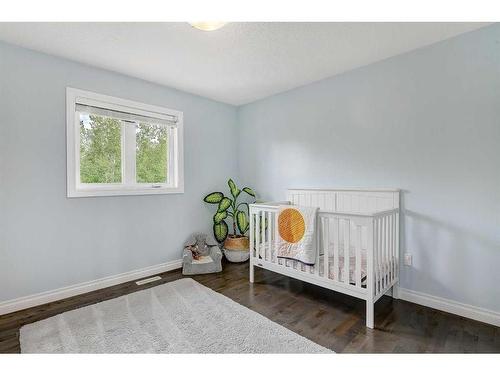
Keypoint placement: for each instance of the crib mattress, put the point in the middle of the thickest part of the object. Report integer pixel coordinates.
(332, 269)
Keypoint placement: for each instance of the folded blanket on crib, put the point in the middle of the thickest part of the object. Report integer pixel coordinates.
(296, 233)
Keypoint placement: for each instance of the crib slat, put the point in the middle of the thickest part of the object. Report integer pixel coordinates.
(269, 226)
(257, 234)
(263, 235)
(397, 244)
(388, 250)
(336, 268)
(379, 255)
(384, 251)
(251, 235)
(318, 248)
(358, 256)
(382, 260)
(391, 247)
(275, 231)
(259, 231)
(394, 264)
(390, 271)
(326, 245)
(376, 255)
(347, 249)
(382, 234)
(393, 234)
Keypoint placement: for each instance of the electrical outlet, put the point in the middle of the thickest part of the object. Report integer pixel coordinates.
(408, 259)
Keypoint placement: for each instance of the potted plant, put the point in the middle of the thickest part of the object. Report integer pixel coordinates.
(236, 245)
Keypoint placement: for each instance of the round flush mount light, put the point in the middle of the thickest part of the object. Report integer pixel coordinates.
(207, 26)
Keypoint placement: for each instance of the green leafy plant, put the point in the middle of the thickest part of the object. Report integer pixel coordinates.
(230, 208)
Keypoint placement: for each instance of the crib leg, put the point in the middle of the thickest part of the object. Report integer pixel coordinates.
(251, 272)
(370, 314)
(395, 292)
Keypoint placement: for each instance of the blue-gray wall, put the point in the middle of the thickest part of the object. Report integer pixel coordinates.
(48, 241)
(427, 122)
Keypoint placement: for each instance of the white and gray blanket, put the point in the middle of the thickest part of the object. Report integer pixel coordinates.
(297, 233)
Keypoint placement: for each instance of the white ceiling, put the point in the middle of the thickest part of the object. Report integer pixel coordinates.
(238, 64)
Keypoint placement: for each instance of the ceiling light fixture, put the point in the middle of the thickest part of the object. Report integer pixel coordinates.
(207, 26)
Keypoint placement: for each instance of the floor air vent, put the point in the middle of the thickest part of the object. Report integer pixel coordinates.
(146, 281)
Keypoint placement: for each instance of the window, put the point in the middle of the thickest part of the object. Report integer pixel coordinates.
(120, 147)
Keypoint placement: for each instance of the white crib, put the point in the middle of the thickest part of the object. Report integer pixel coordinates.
(357, 238)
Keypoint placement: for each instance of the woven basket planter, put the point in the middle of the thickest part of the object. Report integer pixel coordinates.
(236, 249)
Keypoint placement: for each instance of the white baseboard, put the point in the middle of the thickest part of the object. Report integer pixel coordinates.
(452, 307)
(22, 303)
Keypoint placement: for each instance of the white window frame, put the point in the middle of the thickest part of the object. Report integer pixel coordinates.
(128, 186)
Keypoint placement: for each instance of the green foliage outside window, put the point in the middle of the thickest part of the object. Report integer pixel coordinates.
(101, 153)
(151, 157)
(100, 150)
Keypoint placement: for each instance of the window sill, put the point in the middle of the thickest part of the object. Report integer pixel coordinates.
(107, 192)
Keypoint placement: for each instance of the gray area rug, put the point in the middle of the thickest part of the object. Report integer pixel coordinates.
(182, 316)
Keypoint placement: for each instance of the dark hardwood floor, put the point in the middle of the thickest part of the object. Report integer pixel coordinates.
(331, 319)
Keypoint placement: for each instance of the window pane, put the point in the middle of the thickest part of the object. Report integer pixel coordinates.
(152, 153)
(100, 150)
